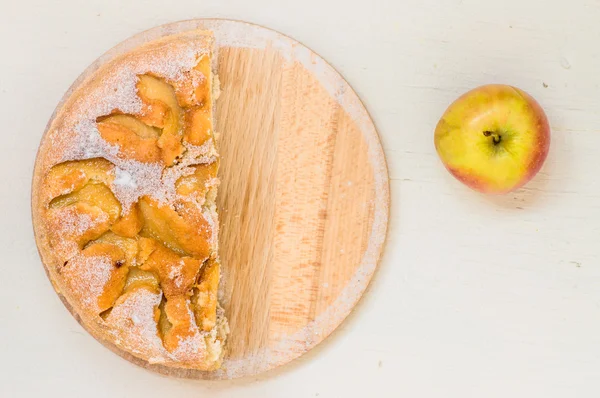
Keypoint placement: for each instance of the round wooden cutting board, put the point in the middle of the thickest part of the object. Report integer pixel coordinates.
(304, 196)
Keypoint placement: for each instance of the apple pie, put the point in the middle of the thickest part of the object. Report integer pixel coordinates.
(123, 203)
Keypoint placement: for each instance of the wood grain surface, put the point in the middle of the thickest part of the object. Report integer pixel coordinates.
(303, 201)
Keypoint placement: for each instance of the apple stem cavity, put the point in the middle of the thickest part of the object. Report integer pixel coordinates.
(496, 138)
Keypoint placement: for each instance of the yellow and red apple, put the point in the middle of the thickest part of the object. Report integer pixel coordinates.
(493, 138)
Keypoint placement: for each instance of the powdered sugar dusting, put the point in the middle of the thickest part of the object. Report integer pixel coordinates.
(210, 215)
(124, 178)
(205, 153)
(175, 273)
(132, 319)
(118, 92)
(173, 68)
(87, 143)
(197, 78)
(134, 325)
(68, 225)
(133, 179)
(140, 179)
(87, 276)
(74, 223)
(192, 347)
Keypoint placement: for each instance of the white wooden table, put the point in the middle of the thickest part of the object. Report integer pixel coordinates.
(475, 297)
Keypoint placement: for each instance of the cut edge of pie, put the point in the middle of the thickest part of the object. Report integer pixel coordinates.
(123, 203)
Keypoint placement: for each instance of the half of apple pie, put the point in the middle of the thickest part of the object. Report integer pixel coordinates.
(124, 203)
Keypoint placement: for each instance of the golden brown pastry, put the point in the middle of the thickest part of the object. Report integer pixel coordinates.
(124, 204)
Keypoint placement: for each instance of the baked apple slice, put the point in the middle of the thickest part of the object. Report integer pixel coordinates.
(161, 102)
(187, 235)
(135, 139)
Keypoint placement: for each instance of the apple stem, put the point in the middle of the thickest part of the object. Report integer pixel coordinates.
(496, 138)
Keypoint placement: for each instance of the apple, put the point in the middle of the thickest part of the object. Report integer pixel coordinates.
(493, 138)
